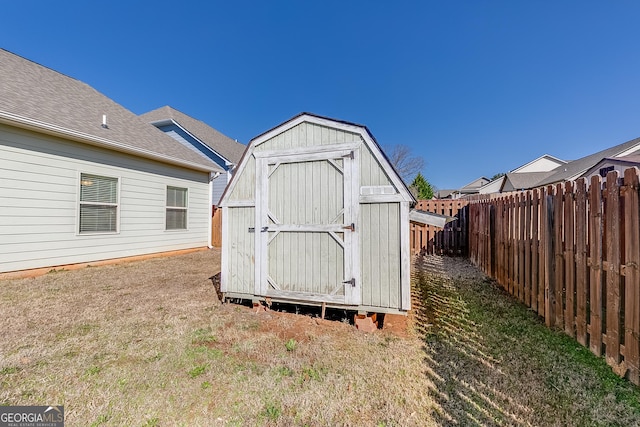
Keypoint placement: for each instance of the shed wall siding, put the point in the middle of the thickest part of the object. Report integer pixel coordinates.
(240, 245)
(307, 135)
(380, 254)
(39, 178)
(244, 188)
(371, 173)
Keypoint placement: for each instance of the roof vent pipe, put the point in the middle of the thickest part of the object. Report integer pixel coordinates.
(104, 121)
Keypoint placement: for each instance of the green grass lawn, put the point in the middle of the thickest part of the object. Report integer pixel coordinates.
(494, 362)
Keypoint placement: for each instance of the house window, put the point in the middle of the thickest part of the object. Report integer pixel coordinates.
(176, 208)
(605, 171)
(98, 204)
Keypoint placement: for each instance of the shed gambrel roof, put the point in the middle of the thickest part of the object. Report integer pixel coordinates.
(41, 99)
(362, 130)
(224, 146)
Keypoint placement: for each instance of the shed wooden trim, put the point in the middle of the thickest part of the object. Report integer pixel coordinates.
(302, 118)
(382, 198)
(405, 257)
(224, 264)
(303, 154)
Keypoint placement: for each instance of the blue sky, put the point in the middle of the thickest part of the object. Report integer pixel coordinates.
(475, 87)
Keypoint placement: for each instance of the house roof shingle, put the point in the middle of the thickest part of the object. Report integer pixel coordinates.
(515, 181)
(228, 148)
(576, 167)
(38, 97)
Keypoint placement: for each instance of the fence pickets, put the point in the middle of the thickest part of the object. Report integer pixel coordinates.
(450, 240)
(571, 252)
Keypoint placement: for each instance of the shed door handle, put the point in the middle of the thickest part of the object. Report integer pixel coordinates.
(351, 282)
(351, 227)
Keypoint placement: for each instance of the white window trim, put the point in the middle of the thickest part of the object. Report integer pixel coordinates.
(167, 207)
(79, 202)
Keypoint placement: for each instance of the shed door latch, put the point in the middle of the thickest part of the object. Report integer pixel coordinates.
(351, 227)
(351, 282)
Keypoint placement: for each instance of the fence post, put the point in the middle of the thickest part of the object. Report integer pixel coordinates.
(549, 288)
(492, 240)
(632, 278)
(595, 244)
(535, 224)
(581, 261)
(613, 235)
(558, 246)
(569, 259)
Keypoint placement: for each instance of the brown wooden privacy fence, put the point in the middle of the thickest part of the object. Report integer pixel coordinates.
(450, 240)
(571, 253)
(216, 227)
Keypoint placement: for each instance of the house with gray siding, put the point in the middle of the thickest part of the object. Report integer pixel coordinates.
(317, 215)
(83, 179)
(201, 137)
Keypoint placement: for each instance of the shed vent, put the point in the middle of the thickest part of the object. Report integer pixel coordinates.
(370, 190)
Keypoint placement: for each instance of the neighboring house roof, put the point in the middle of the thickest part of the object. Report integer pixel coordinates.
(575, 168)
(523, 180)
(474, 185)
(543, 163)
(224, 146)
(624, 161)
(443, 194)
(38, 98)
(492, 187)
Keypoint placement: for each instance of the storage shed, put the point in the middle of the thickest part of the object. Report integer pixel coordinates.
(315, 214)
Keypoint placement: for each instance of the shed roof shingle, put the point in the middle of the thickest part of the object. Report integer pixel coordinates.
(218, 142)
(47, 99)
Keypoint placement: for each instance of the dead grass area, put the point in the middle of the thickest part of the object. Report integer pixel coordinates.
(148, 343)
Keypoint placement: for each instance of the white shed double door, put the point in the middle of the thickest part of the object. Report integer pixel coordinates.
(306, 230)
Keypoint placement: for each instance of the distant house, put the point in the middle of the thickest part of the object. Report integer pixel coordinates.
(620, 164)
(524, 176)
(578, 168)
(544, 163)
(83, 179)
(547, 169)
(197, 135)
(471, 188)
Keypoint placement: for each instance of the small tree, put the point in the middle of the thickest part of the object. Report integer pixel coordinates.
(421, 188)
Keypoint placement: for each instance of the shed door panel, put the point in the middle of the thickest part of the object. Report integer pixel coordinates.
(306, 227)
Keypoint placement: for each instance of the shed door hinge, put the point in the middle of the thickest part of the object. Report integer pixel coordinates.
(351, 282)
(351, 227)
